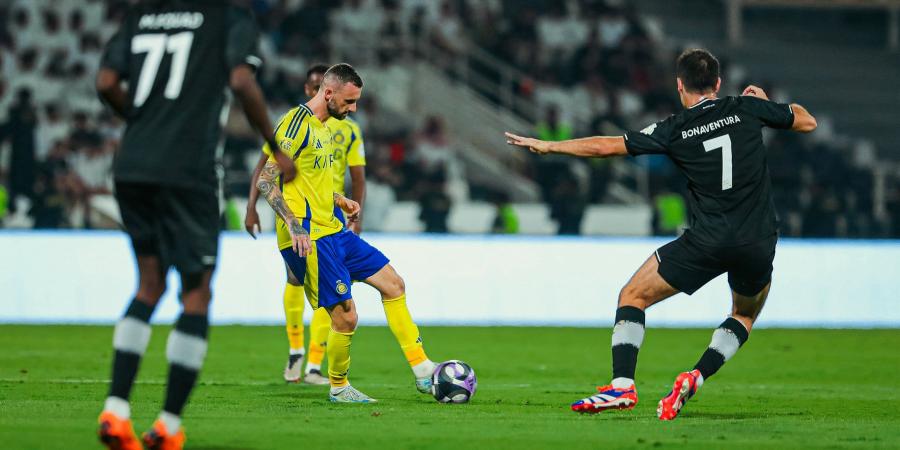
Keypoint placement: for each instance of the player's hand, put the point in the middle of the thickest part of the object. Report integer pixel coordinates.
(350, 207)
(755, 91)
(251, 221)
(535, 145)
(286, 165)
(299, 239)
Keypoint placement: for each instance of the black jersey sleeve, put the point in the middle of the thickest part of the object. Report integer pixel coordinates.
(242, 39)
(775, 115)
(117, 52)
(654, 139)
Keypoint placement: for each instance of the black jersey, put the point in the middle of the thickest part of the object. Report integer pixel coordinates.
(177, 57)
(717, 144)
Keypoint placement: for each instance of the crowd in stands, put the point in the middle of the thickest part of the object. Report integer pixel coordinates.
(590, 66)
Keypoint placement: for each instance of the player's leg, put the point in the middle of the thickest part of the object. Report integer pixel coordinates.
(293, 314)
(327, 287)
(132, 331)
(645, 288)
(190, 229)
(750, 279)
(293, 302)
(319, 328)
(393, 299)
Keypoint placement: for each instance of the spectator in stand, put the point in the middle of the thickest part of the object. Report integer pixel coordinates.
(20, 129)
(51, 129)
(447, 31)
(434, 202)
(434, 152)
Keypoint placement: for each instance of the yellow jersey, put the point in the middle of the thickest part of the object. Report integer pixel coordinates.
(349, 150)
(310, 195)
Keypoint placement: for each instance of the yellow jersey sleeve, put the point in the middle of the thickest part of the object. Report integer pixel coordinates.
(289, 123)
(356, 150)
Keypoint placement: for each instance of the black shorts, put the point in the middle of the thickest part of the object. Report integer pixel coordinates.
(178, 225)
(687, 265)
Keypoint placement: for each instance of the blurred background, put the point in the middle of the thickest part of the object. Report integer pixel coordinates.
(445, 78)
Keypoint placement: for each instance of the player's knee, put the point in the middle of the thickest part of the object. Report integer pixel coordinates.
(151, 289)
(394, 287)
(632, 296)
(344, 321)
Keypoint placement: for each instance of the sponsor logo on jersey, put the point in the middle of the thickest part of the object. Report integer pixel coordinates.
(286, 144)
(341, 288)
(649, 130)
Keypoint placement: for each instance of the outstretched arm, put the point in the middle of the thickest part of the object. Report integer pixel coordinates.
(269, 189)
(589, 147)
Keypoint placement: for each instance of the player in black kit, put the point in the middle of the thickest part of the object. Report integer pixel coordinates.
(177, 57)
(717, 144)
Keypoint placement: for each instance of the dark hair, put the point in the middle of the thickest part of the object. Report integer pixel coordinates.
(345, 73)
(316, 68)
(698, 70)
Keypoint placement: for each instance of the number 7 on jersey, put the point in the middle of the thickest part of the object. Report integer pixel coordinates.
(723, 142)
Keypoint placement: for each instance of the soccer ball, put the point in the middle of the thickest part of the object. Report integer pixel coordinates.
(453, 382)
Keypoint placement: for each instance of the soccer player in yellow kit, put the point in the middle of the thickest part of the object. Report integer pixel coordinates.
(322, 252)
(349, 151)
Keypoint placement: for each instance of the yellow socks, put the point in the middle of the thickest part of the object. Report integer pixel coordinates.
(293, 314)
(319, 329)
(405, 331)
(338, 357)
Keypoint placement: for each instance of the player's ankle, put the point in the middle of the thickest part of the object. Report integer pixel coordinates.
(622, 383)
(424, 369)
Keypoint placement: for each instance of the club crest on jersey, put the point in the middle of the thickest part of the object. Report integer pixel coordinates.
(341, 288)
(649, 130)
(338, 138)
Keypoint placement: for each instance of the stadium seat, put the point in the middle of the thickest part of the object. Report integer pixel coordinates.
(618, 220)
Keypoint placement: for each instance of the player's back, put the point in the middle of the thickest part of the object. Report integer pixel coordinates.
(177, 57)
(717, 144)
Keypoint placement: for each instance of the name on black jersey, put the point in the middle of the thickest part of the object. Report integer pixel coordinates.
(712, 126)
(168, 21)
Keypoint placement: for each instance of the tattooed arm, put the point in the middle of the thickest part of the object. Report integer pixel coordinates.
(269, 189)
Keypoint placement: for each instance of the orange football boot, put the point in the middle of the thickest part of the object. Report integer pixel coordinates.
(117, 433)
(158, 438)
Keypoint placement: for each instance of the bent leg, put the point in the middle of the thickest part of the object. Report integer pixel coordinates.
(393, 299)
(645, 288)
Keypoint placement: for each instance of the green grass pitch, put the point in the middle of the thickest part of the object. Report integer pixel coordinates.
(784, 389)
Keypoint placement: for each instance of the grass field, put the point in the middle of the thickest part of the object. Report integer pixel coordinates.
(784, 389)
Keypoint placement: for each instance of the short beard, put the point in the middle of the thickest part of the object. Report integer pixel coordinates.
(333, 112)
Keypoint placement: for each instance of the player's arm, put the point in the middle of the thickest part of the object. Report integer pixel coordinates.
(251, 218)
(348, 206)
(109, 87)
(246, 89)
(804, 122)
(799, 119)
(113, 69)
(589, 147)
(242, 58)
(358, 192)
(268, 187)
